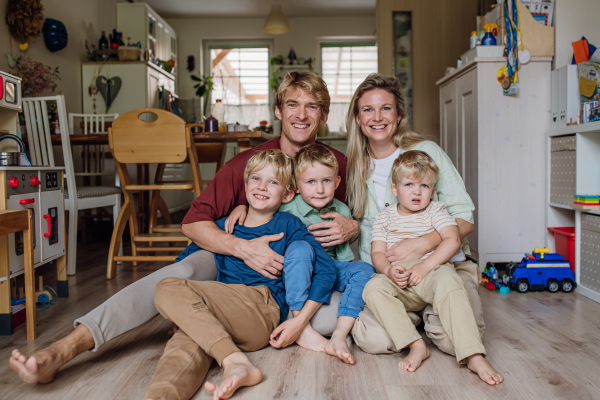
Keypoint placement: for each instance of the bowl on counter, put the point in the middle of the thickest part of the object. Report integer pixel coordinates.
(241, 128)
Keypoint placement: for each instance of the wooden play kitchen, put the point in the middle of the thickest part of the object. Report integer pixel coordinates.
(32, 230)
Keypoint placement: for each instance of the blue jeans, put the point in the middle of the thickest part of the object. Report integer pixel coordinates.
(351, 278)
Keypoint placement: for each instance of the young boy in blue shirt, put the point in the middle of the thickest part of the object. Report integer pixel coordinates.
(316, 176)
(242, 308)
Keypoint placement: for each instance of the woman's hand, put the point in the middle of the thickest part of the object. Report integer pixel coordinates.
(338, 231)
(238, 214)
(413, 249)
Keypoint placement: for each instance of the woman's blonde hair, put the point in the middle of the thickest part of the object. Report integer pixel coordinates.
(310, 83)
(415, 164)
(281, 163)
(359, 151)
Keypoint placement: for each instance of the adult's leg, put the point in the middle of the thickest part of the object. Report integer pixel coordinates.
(222, 320)
(470, 275)
(127, 309)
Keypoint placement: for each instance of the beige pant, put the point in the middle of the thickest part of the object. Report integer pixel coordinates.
(388, 308)
(215, 320)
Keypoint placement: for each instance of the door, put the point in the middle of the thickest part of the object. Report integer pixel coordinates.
(466, 99)
(448, 123)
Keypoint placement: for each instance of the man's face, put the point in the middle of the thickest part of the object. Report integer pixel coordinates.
(300, 117)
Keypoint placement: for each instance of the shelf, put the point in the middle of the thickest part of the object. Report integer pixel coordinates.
(585, 208)
(592, 127)
(557, 205)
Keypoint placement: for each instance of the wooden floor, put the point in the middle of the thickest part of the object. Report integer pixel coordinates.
(546, 345)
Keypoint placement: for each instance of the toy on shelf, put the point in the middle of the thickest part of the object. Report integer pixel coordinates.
(582, 200)
(539, 271)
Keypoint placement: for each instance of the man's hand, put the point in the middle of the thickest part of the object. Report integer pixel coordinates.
(399, 275)
(286, 333)
(338, 231)
(257, 254)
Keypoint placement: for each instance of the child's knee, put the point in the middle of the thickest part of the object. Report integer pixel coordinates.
(378, 285)
(300, 250)
(361, 273)
(165, 288)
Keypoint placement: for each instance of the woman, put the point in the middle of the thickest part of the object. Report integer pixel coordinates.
(378, 133)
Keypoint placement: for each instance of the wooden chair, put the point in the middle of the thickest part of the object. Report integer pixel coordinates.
(207, 153)
(134, 141)
(40, 152)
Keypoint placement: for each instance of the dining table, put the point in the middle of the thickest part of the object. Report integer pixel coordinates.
(245, 140)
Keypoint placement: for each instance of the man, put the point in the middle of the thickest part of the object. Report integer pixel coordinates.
(302, 104)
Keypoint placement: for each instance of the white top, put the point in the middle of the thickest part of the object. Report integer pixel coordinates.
(391, 227)
(381, 171)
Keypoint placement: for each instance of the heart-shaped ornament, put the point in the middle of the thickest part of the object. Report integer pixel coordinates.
(108, 88)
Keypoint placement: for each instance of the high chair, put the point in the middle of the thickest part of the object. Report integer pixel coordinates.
(134, 141)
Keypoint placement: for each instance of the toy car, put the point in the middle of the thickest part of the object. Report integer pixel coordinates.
(540, 270)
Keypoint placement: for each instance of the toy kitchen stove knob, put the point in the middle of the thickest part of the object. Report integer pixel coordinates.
(35, 181)
(14, 182)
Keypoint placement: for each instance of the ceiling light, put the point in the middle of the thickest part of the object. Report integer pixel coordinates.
(276, 21)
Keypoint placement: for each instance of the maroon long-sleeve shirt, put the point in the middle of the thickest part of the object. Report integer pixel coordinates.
(226, 190)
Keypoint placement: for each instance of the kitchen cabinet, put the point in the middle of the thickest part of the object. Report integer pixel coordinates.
(496, 142)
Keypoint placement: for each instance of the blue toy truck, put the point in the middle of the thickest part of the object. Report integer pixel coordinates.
(538, 271)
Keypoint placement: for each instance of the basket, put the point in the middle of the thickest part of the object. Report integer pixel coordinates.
(129, 53)
(564, 239)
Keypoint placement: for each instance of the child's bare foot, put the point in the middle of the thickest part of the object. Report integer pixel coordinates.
(338, 347)
(311, 339)
(418, 353)
(478, 364)
(238, 371)
(39, 368)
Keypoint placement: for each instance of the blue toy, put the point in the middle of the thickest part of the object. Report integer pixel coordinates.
(539, 271)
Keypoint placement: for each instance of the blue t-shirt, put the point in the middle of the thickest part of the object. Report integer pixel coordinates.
(232, 270)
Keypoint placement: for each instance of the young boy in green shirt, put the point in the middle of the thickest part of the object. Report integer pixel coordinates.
(316, 176)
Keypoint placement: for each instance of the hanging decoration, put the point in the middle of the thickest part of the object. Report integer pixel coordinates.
(108, 88)
(191, 63)
(36, 77)
(55, 35)
(24, 19)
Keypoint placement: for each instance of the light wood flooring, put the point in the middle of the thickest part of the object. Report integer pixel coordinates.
(546, 345)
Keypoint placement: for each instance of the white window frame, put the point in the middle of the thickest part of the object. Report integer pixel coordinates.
(319, 41)
(205, 67)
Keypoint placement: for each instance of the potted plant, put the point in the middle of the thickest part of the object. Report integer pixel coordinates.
(203, 89)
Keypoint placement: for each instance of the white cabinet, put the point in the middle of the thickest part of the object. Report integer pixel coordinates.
(496, 143)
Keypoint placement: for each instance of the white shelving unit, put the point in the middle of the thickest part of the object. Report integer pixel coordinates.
(585, 221)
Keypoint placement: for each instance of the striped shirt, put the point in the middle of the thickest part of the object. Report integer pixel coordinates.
(391, 227)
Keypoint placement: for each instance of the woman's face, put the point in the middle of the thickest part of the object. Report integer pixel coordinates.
(377, 115)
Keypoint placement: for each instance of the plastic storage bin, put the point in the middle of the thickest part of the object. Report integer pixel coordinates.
(564, 241)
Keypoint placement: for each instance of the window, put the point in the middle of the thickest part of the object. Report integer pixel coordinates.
(344, 65)
(241, 80)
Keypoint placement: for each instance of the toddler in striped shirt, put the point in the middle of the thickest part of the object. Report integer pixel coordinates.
(411, 285)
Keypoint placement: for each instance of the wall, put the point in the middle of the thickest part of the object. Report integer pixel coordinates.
(441, 31)
(574, 19)
(75, 14)
(303, 30)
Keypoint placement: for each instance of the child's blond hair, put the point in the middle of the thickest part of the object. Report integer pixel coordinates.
(311, 154)
(415, 164)
(281, 163)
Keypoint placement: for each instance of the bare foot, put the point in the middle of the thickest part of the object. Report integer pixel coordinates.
(40, 367)
(478, 364)
(311, 339)
(338, 347)
(238, 371)
(418, 353)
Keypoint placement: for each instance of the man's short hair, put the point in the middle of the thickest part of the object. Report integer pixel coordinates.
(415, 164)
(281, 163)
(309, 82)
(311, 154)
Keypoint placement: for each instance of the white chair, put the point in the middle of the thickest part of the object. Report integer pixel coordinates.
(40, 146)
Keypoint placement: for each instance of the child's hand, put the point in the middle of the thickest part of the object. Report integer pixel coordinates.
(399, 275)
(238, 214)
(286, 333)
(418, 272)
